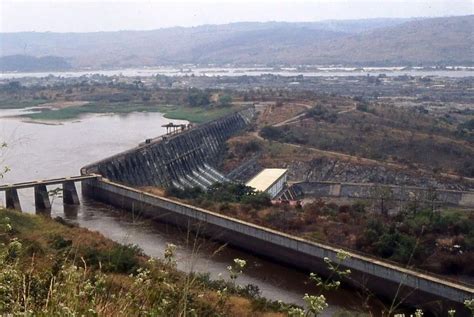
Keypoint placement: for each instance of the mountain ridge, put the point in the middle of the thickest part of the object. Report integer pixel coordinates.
(381, 42)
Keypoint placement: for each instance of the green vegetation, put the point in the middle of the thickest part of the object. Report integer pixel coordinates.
(74, 112)
(50, 269)
(10, 103)
(196, 114)
(465, 130)
(222, 194)
(198, 98)
(73, 100)
(225, 100)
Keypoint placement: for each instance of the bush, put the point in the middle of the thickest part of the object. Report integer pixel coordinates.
(396, 245)
(362, 107)
(345, 209)
(198, 98)
(58, 242)
(225, 100)
(257, 200)
(118, 259)
(272, 133)
(250, 147)
(187, 193)
(359, 206)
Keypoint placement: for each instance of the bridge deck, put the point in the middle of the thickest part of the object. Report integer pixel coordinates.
(47, 182)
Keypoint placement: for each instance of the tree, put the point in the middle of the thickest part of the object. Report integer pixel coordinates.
(433, 199)
(198, 98)
(383, 194)
(13, 86)
(225, 100)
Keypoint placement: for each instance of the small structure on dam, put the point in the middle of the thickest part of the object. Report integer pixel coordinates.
(183, 160)
(269, 180)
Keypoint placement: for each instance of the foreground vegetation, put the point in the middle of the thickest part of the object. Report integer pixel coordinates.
(48, 268)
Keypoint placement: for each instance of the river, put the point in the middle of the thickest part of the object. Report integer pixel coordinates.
(38, 151)
(455, 72)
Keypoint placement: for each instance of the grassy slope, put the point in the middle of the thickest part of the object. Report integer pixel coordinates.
(88, 272)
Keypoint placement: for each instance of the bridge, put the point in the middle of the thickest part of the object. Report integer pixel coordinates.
(42, 201)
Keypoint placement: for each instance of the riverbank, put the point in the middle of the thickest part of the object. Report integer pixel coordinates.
(50, 267)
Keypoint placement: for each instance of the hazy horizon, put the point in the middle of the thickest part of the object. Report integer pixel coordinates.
(93, 16)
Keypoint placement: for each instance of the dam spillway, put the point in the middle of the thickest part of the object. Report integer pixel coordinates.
(186, 159)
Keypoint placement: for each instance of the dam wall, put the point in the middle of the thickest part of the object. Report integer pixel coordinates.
(183, 160)
(380, 277)
(389, 192)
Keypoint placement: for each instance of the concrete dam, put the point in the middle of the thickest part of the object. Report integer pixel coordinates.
(182, 160)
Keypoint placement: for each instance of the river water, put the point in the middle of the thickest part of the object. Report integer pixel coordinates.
(38, 151)
(456, 72)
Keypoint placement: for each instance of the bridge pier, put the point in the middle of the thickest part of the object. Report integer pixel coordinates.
(12, 199)
(42, 198)
(70, 196)
(42, 201)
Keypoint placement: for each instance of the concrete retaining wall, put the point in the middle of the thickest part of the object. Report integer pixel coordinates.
(367, 191)
(162, 162)
(380, 277)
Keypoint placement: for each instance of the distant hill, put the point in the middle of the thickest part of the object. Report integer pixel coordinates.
(24, 63)
(429, 41)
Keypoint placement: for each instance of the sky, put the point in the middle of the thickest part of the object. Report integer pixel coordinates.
(112, 15)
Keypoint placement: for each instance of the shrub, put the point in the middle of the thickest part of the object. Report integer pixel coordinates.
(250, 147)
(272, 133)
(344, 209)
(198, 98)
(362, 107)
(58, 242)
(396, 246)
(118, 259)
(187, 193)
(225, 100)
(257, 200)
(33, 247)
(359, 206)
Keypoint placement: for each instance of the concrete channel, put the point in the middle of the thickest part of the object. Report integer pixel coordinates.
(378, 276)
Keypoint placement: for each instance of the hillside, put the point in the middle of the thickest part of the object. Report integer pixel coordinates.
(24, 63)
(366, 42)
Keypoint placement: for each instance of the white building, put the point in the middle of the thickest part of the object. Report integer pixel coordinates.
(270, 180)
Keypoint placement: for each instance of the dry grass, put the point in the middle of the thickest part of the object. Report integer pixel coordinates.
(64, 261)
(277, 113)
